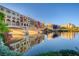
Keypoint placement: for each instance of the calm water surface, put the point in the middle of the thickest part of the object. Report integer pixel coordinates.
(54, 42)
(35, 44)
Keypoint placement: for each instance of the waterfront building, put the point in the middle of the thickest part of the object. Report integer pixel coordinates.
(68, 26)
(56, 26)
(50, 26)
(53, 26)
(19, 25)
(14, 19)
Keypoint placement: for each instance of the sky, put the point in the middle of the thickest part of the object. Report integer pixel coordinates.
(48, 13)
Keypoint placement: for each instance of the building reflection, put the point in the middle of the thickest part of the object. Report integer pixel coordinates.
(52, 35)
(36, 39)
(68, 35)
(65, 35)
(26, 43)
(29, 41)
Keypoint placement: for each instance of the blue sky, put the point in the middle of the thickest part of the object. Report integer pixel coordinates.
(48, 13)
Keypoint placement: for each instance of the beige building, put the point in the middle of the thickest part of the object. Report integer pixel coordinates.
(68, 26)
(14, 19)
(50, 26)
(18, 24)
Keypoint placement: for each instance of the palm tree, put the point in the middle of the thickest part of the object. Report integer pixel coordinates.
(3, 26)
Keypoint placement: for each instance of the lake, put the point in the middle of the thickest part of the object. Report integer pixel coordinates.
(41, 43)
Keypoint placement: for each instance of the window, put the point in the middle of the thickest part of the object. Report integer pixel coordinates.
(27, 24)
(8, 16)
(13, 13)
(8, 19)
(24, 24)
(17, 14)
(21, 23)
(13, 20)
(8, 11)
(13, 17)
(2, 9)
(17, 18)
(17, 23)
(8, 22)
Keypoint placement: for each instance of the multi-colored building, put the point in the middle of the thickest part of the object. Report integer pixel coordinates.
(14, 19)
(18, 24)
(18, 28)
(68, 26)
(53, 26)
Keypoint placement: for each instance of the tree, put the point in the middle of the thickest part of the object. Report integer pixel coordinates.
(3, 26)
(4, 50)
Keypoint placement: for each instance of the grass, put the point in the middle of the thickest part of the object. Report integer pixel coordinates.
(60, 53)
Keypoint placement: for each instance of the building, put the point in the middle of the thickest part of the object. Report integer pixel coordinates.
(56, 26)
(53, 26)
(68, 26)
(14, 19)
(50, 26)
(18, 24)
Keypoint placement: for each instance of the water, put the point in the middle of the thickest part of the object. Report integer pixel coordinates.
(51, 42)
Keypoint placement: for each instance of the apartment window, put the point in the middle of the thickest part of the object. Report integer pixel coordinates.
(8, 16)
(21, 23)
(13, 17)
(8, 11)
(8, 19)
(17, 18)
(13, 20)
(17, 23)
(13, 13)
(2, 9)
(24, 19)
(27, 24)
(24, 24)
(17, 14)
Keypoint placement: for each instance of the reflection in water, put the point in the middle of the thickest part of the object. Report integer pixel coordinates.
(65, 35)
(68, 35)
(52, 35)
(26, 43)
(30, 40)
